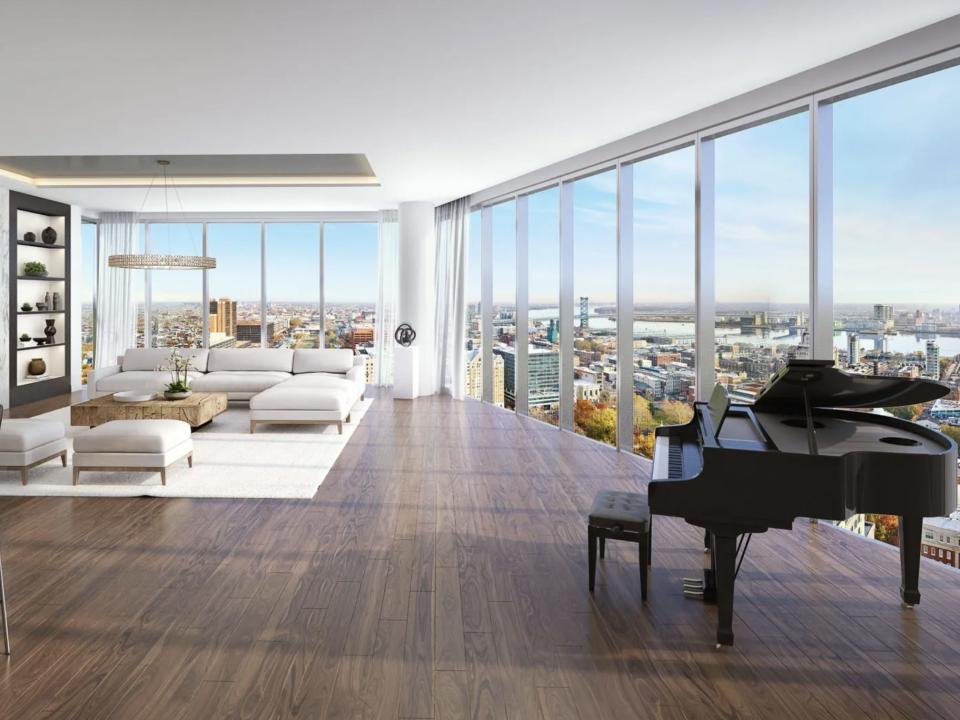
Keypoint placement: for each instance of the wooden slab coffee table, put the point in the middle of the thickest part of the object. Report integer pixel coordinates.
(198, 409)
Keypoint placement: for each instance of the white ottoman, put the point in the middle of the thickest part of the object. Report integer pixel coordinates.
(308, 399)
(27, 443)
(133, 446)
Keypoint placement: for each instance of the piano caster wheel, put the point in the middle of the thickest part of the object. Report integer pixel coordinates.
(719, 646)
(906, 605)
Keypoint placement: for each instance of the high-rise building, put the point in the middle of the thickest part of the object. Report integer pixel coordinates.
(553, 332)
(474, 374)
(584, 313)
(497, 394)
(853, 349)
(223, 316)
(932, 368)
(754, 324)
(543, 376)
(249, 331)
(883, 314)
(361, 335)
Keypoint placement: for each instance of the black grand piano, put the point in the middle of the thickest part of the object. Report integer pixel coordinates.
(801, 451)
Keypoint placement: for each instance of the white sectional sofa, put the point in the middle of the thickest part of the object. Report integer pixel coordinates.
(282, 385)
(239, 372)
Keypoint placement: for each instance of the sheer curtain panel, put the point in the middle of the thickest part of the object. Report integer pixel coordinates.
(116, 314)
(451, 231)
(387, 278)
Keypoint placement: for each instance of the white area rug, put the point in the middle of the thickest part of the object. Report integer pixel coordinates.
(278, 461)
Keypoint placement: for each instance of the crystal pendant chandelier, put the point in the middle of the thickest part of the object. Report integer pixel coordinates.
(162, 262)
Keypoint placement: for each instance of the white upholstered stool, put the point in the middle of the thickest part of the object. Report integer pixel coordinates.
(308, 399)
(27, 443)
(132, 446)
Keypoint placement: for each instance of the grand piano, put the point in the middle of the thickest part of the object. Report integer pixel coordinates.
(803, 449)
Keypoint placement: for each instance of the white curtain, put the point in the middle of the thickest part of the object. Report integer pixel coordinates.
(451, 231)
(387, 280)
(116, 313)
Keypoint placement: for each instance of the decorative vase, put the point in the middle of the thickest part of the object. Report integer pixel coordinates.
(46, 300)
(36, 367)
(26, 307)
(56, 301)
(49, 236)
(177, 395)
(50, 331)
(36, 274)
(30, 237)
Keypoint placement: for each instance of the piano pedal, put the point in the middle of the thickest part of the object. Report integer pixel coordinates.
(693, 588)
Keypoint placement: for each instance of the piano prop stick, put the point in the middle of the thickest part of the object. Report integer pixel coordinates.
(805, 448)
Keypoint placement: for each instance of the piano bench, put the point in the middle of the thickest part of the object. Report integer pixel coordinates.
(620, 516)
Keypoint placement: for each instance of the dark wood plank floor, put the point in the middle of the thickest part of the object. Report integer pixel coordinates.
(440, 572)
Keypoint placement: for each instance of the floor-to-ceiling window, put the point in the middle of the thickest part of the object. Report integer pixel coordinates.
(663, 374)
(176, 296)
(543, 293)
(504, 306)
(138, 287)
(762, 181)
(294, 318)
(88, 297)
(234, 286)
(896, 182)
(595, 306)
(350, 255)
(473, 332)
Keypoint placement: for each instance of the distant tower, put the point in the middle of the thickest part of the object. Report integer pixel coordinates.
(553, 332)
(933, 360)
(853, 349)
(584, 313)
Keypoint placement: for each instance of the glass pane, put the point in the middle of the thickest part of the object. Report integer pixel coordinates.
(474, 329)
(762, 253)
(176, 296)
(88, 325)
(896, 185)
(350, 256)
(664, 294)
(138, 286)
(504, 268)
(543, 332)
(595, 311)
(234, 285)
(293, 285)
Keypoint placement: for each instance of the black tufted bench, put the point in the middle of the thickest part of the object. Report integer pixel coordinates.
(619, 516)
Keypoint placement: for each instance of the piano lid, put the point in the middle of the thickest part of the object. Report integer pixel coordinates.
(828, 386)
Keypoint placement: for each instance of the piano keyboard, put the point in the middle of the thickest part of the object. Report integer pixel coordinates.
(667, 458)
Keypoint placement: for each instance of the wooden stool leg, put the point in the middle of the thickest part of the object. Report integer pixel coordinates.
(603, 546)
(650, 541)
(644, 563)
(592, 554)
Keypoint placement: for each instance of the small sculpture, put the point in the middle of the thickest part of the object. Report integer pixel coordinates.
(49, 236)
(46, 299)
(30, 237)
(405, 335)
(56, 301)
(36, 367)
(50, 331)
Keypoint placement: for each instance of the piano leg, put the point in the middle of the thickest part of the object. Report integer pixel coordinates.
(725, 561)
(706, 541)
(910, 531)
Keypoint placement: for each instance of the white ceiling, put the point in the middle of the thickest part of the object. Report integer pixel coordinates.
(445, 98)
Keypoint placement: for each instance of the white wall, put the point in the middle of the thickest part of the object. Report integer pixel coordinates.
(76, 293)
(4, 296)
(416, 297)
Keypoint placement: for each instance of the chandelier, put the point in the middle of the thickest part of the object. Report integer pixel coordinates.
(144, 261)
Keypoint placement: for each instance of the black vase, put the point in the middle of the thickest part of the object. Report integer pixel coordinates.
(29, 237)
(50, 331)
(49, 236)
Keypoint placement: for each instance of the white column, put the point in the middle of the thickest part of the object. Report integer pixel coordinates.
(522, 342)
(76, 294)
(625, 308)
(821, 230)
(486, 301)
(566, 306)
(417, 298)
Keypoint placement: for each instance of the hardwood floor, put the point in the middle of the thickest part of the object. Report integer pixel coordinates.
(440, 572)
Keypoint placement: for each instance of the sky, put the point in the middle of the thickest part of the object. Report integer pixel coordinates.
(293, 262)
(896, 212)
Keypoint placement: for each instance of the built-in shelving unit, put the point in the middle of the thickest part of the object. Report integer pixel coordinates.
(30, 214)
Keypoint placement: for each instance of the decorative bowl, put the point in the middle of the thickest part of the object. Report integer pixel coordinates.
(41, 340)
(132, 396)
(178, 395)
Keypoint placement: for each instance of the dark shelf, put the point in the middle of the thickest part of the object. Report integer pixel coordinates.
(41, 312)
(41, 245)
(43, 279)
(39, 347)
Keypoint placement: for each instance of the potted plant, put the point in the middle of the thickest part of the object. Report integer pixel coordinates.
(26, 307)
(179, 366)
(37, 269)
(24, 339)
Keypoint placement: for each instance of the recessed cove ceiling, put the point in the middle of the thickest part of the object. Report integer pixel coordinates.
(190, 170)
(445, 99)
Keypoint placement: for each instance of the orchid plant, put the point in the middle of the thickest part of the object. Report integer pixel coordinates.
(178, 366)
